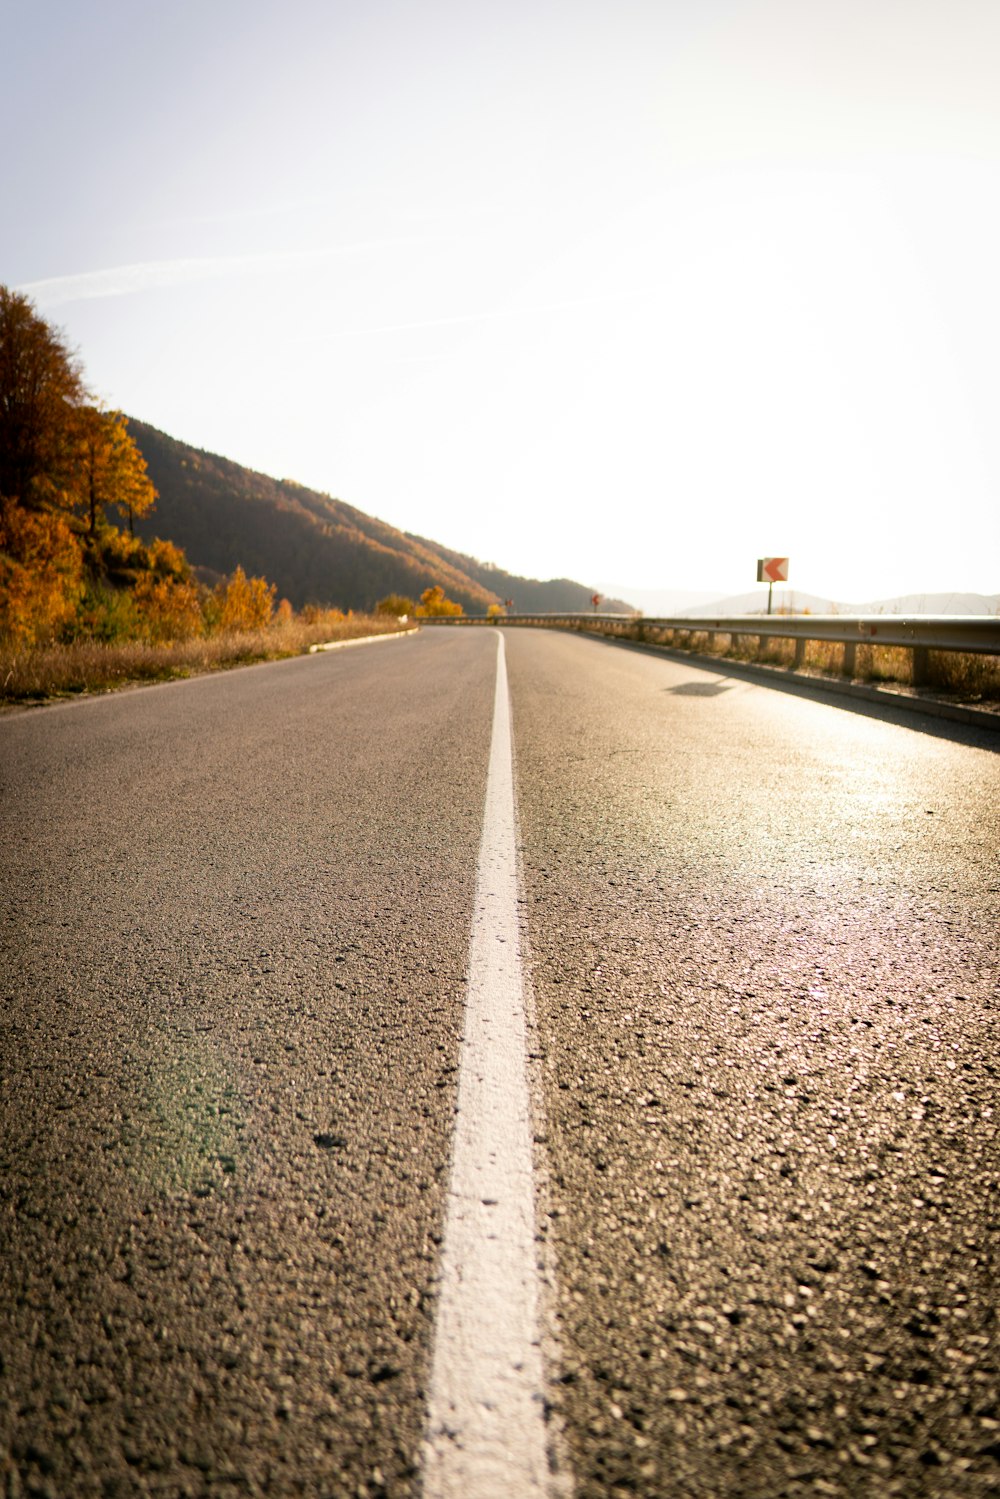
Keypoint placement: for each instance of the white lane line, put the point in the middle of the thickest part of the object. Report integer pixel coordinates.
(486, 1426)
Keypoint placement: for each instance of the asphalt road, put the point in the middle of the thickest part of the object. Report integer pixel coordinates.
(760, 940)
(763, 936)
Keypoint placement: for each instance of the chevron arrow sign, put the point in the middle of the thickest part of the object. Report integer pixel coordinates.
(772, 570)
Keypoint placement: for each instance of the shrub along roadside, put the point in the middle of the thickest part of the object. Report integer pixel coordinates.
(40, 673)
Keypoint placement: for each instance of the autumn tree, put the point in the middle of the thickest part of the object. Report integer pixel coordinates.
(168, 601)
(64, 464)
(57, 450)
(245, 603)
(41, 573)
(396, 604)
(41, 392)
(434, 602)
(112, 471)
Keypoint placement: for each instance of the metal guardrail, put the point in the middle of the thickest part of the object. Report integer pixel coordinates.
(934, 632)
(978, 634)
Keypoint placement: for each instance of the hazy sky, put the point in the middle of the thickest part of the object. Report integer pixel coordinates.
(630, 292)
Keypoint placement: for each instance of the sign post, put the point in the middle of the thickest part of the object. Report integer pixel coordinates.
(771, 570)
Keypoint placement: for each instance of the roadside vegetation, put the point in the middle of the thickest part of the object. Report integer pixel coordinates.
(434, 602)
(66, 668)
(85, 605)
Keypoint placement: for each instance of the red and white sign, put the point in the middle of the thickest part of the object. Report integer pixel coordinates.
(772, 570)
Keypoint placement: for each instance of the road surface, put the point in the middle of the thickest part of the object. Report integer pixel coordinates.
(759, 974)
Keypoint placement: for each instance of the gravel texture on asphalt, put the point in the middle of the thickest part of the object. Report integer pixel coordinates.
(763, 952)
(235, 935)
(761, 940)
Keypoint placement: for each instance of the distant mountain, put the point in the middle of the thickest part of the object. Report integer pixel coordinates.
(529, 595)
(791, 601)
(786, 601)
(931, 603)
(316, 549)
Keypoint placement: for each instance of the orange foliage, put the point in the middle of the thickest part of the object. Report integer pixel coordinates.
(120, 553)
(313, 614)
(433, 601)
(245, 603)
(396, 604)
(168, 607)
(111, 470)
(60, 454)
(40, 574)
(41, 392)
(167, 560)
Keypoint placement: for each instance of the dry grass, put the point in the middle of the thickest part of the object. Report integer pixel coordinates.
(968, 677)
(825, 657)
(43, 673)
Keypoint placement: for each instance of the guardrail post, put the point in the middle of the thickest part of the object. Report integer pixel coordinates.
(921, 666)
(800, 653)
(850, 664)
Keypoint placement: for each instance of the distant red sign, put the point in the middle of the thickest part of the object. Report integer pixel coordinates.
(772, 570)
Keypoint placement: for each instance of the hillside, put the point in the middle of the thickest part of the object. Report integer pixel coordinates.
(933, 603)
(530, 595)
(793, 601)
(317, 550)
(786, 600)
